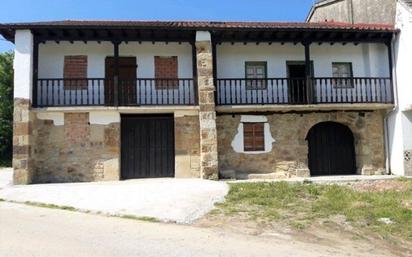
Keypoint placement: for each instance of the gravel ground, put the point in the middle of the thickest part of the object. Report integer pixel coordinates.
(169, 200)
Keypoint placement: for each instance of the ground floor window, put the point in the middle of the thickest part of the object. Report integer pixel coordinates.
(253, 137)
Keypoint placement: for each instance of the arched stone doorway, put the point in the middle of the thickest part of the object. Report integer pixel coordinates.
(331, 150)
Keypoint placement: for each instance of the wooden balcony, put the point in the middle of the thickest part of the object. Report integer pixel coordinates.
(302, 91)
(57, 92)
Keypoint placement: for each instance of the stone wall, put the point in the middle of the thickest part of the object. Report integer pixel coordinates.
(355, 11)
(288, 157)
(207, 112)
(75, 151)
(408, 162)
(22, 149)
(187, 147)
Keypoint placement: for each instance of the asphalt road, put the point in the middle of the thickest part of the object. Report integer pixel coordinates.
(27, 231)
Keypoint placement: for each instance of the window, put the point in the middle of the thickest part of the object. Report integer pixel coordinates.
(253, 137)
(166, 72)
(256, 75)
(75, 72)
(342, 70)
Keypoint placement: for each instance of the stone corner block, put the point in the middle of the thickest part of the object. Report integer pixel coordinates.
(21, 177)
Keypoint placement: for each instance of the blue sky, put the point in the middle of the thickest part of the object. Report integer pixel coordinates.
(218, 10)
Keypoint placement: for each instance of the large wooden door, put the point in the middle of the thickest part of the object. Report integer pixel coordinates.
(331, 150)
(147, 146)
(127, 81)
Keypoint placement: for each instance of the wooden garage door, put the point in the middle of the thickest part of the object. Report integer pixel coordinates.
(147, 149)
(331, 150)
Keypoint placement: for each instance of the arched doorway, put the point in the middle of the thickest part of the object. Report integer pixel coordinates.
(331, 150)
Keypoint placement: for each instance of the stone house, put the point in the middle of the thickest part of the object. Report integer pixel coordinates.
(398, 13)
(107, 100)
(353, 11)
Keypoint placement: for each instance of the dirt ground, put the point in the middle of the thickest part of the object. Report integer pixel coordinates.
(334, 231)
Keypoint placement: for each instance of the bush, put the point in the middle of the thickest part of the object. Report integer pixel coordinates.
(6, 108)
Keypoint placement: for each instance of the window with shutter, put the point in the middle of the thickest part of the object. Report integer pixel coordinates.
(75, 72)
(254, 137)
(166, 72)
(256, 75)
(342, 70)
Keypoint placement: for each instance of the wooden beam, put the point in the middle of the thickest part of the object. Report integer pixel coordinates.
(194, 71)
(35, 69)
(116, 72)
(389, 47)
(308, 72)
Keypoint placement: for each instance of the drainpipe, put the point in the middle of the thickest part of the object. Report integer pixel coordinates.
(393, 76)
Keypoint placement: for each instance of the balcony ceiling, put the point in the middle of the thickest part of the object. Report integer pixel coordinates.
(184, 31)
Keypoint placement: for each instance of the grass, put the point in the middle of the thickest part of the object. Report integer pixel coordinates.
(300, 205)
(140, 218)
(51, 206)
(70, 208)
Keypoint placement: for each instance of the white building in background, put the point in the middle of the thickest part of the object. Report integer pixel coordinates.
(400, 121)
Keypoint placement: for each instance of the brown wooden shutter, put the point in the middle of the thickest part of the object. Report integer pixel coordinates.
(75, 72)
(166, 67)
(253, 137)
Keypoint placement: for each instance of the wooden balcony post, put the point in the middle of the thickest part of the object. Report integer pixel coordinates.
(308, 72)
(116, 73)
(214, 61)
(35, 69)
(390, 60)
(194, 71)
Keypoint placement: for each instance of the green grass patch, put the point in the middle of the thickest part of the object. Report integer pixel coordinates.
(301, 204)
(51, 206)
(140, 218)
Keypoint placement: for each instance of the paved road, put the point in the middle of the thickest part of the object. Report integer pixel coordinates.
(40, 232)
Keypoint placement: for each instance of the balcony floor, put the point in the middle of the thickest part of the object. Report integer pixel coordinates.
(306, 107)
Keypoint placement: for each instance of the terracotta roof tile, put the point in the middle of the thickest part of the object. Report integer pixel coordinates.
(201, 25)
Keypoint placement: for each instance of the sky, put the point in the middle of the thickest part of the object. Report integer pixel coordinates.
(214, 10)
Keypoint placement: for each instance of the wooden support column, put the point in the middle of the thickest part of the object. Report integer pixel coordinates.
(308, 71)
(390, 61)
(36, 43)
(116, 73)
(194, 71)
(214, 45)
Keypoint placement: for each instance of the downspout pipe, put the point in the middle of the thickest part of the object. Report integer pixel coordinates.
(393, 76)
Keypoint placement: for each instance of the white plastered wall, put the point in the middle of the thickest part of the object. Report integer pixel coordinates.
(51, 65)
(368, 60)
(23, 64)
(231, 58)
(400, 121)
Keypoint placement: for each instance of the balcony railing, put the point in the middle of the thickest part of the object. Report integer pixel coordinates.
(102, 92)
(304, 91)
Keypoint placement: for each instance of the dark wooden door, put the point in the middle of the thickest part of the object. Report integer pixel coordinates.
(297, 82)
(147, 149)
(331, 150)
(127, 80)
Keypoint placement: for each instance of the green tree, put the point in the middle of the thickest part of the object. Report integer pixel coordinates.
(6, 108)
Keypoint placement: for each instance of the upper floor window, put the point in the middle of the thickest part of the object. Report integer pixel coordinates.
(254, 137)
(75, 72)
(166, 71)
(343, 71)
(256, 74)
